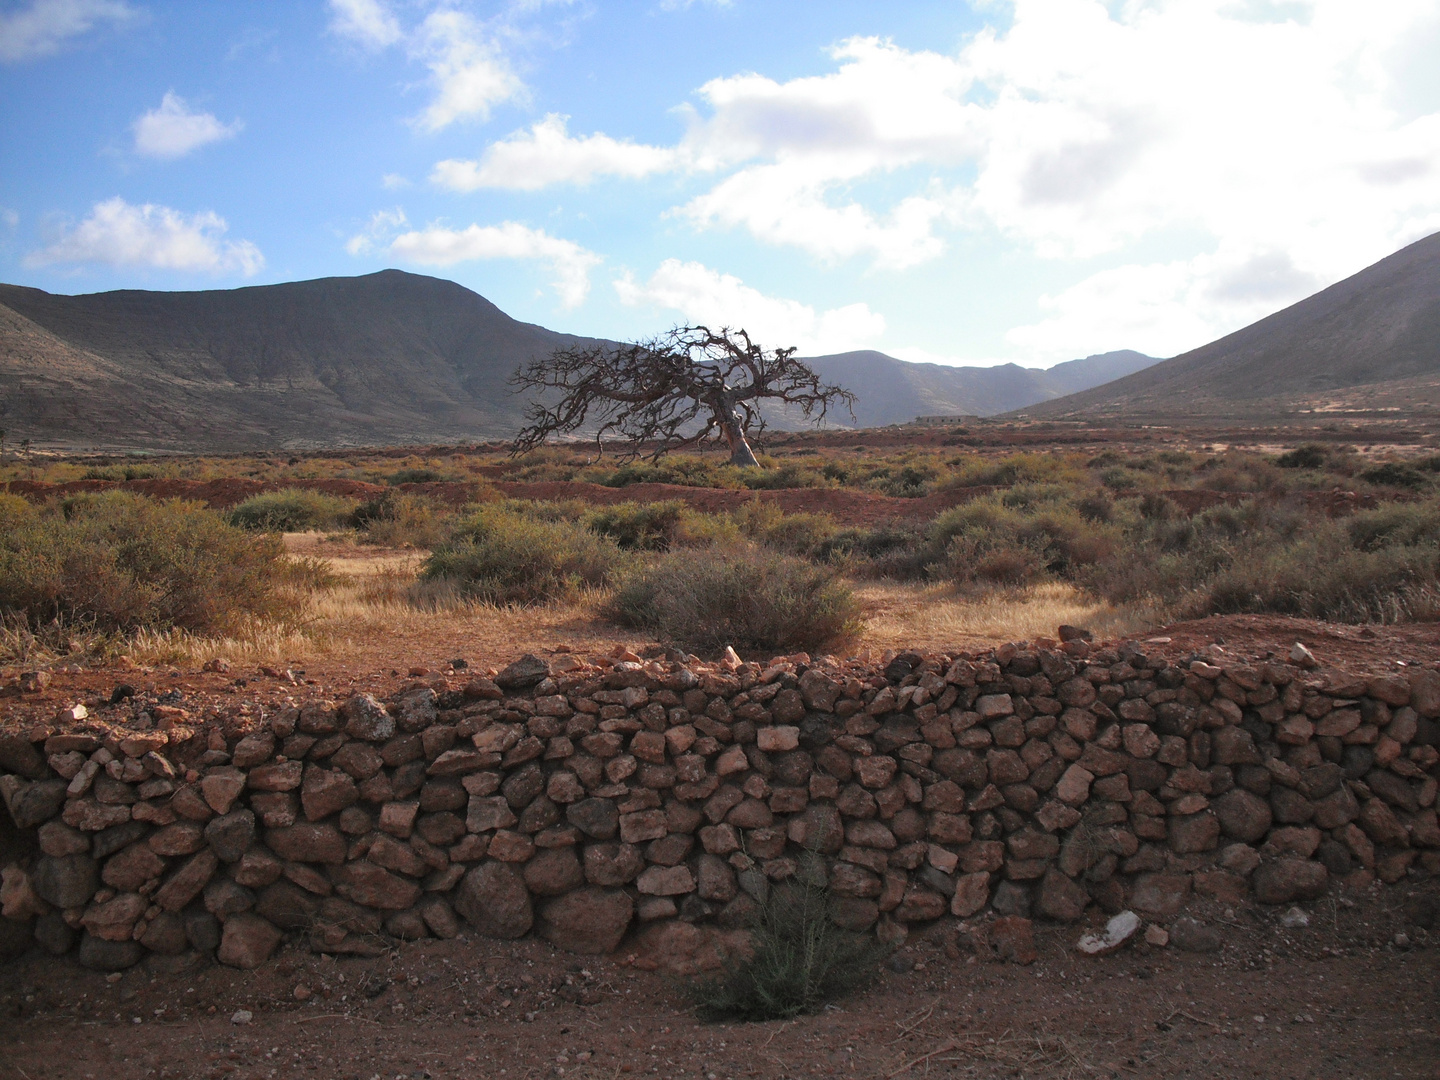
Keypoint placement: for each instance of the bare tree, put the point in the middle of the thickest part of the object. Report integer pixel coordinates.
(675, 390)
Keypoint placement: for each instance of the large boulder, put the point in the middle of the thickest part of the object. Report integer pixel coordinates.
(1286, 880)
(248, 941)
(492, 897)
(68, 881)
(587, 920)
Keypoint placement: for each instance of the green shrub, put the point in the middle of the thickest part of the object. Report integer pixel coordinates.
(292, 510)
(395, 519)
(884, 551)
(118, 561)
(121, 472)
(1305, 456)
(502, 556)
(1016, 536)
(799, 960)
(640, 526)
(1395, 474)
(1396, 525)
(796, 534)
(747, 597)
(1322, 577)
(416, 476)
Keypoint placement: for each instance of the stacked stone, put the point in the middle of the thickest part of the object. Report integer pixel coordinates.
(1025, 780)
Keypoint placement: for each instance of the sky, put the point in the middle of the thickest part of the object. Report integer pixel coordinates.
(974, 183)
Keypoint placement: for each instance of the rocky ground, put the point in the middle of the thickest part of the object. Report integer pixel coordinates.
(1351, 994)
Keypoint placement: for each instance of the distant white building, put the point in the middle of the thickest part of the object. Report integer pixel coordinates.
(943, 421)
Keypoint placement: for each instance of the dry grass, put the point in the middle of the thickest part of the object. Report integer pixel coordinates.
(379, 616)
(901, 615)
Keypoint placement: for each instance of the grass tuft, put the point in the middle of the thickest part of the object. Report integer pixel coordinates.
(799, 960)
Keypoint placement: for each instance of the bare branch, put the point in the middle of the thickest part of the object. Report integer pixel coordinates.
(676, 390)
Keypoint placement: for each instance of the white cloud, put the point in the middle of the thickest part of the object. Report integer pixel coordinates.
(172, 130)
(469, 70)
(470, 73)
(1266, 149)
(368, 23)
(785, 203)
(45, 25)
(394, 181)
(439, 246)
(382, 225)
(1163, 308)
(119, 234)
(703, 295)
(10, 217)
(547, 154)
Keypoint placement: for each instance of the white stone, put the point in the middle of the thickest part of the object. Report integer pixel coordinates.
(1117, 932)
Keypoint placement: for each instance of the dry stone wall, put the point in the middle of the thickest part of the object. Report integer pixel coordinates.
(580, 804)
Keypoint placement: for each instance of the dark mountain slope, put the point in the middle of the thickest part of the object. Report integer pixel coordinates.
(382, 358)
(1381, 325)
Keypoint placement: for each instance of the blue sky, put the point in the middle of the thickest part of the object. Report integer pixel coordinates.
(1027, 180)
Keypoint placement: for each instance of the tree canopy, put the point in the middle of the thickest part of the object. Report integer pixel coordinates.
(680, 389)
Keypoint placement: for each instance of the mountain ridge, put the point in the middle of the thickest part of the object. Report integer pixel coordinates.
(385, 358)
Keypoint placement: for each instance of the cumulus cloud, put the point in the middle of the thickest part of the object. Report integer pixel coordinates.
(786, 203)
(117, 233)
(44, 26)
(469, 70)
(1264, 149)
(438, 246)
(172, 130)
(381, 226)
(703, 295)
(547, 154)
(368, 23)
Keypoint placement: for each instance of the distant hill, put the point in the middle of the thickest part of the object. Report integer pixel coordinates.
(1380, 326)
(387, 358)
(891, 391)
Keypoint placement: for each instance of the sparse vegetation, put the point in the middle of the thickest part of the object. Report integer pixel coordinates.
(799, 960)
(1167, 532)
(117, 562)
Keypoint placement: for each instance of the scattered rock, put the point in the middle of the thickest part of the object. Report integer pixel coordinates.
(1192, 935)
(1117, 933)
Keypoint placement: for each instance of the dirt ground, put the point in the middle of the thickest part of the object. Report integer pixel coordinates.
(1337, 998)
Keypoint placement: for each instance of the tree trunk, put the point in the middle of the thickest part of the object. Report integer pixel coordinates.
(740, 452)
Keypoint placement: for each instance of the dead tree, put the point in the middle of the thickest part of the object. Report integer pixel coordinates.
(672, 391)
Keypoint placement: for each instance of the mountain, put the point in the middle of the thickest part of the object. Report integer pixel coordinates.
(385, 358)
(1378, 328)
(891, 391)
(388, 358)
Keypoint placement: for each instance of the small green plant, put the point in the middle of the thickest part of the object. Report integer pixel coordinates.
(747, 597)
(292, 510)
(799, 959)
